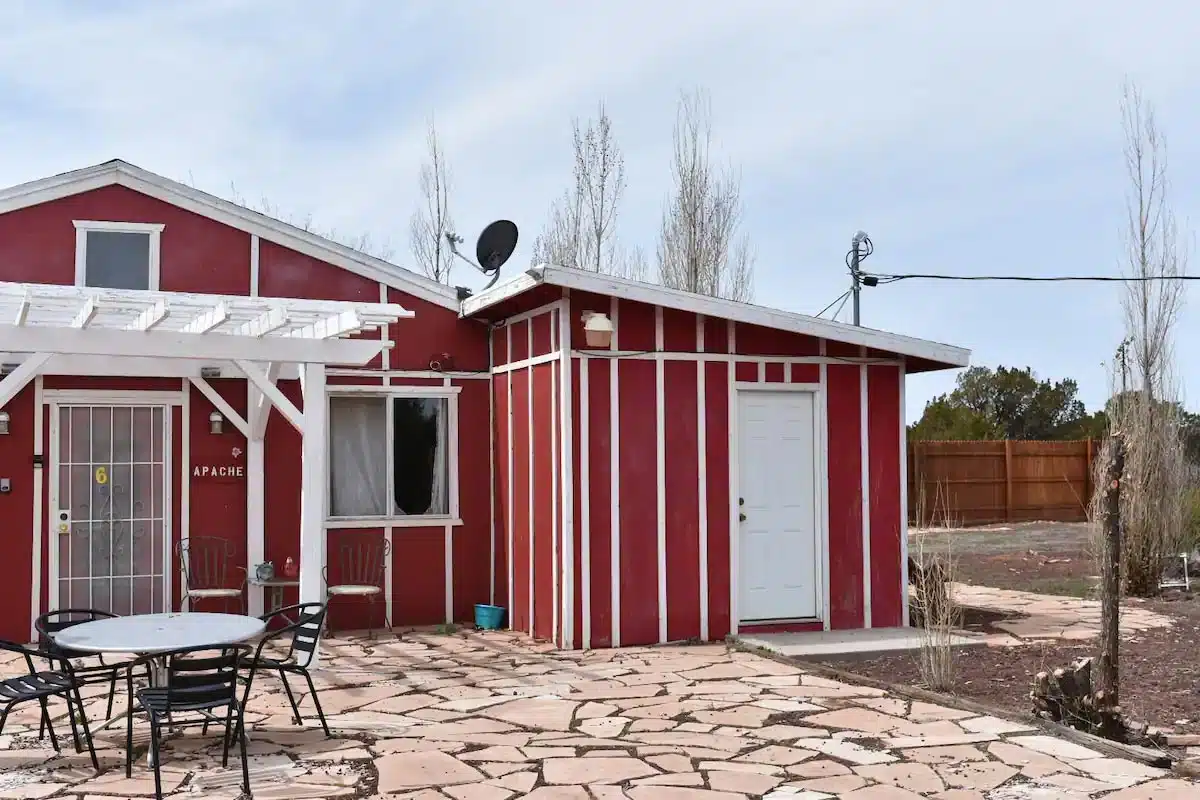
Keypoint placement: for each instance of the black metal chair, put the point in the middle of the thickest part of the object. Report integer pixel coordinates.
(303, 634)
(40, 685)
(54, 622)
(361, 573)
(207, 562)
(195, 680)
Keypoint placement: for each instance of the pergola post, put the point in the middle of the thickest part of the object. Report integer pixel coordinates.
(256, 522)
(312, 485)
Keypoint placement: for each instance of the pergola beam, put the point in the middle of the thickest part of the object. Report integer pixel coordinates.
(260, 403)
(209, 320)
(97, 341)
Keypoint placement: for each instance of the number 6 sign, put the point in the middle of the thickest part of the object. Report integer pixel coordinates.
(101, 475)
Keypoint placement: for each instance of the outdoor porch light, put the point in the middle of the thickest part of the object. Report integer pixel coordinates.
(4, 423)
(597, 329)
(216, 423)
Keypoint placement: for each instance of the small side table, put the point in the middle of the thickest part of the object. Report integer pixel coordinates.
(275, 588)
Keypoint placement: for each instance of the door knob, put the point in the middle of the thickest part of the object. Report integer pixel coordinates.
(741, 517)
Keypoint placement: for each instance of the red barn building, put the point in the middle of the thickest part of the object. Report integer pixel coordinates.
(615, 462)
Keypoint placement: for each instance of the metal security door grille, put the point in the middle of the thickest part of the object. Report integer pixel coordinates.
(110, 507)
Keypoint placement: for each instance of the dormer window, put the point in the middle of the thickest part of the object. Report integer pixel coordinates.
(117, 255)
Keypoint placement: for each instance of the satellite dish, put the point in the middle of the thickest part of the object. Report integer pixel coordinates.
(495, 246)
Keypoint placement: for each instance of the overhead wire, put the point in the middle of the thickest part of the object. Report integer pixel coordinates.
(883, 278)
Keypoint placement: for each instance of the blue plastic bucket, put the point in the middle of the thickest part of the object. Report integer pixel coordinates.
(490, 618)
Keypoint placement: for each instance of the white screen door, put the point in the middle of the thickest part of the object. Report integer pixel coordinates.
(779, 571)
(109, 507)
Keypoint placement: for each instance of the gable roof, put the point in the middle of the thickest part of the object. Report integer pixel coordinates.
(940, 355)
(122, 173)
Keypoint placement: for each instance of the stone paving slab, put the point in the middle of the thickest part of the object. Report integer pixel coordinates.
(493, 716)
(1045, 616)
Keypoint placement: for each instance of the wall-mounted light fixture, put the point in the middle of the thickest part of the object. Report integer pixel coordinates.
(597, 329)
(4, 423)
(216, 423)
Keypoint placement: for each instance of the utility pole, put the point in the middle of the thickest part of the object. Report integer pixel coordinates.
(853, 260)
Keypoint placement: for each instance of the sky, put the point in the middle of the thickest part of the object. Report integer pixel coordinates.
(964, 138)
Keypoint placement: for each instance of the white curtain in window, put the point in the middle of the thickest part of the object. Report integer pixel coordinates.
(441, 475)
(358, 456)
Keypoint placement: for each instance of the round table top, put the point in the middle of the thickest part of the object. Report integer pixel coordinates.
(158, 633)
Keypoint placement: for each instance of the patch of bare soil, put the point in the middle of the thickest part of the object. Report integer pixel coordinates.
(1160, 682)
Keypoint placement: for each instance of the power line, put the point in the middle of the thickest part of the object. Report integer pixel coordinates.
(878, 278)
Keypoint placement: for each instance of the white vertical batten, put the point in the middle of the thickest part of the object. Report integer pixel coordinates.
(903, 505)
(734, 465)
(256, 522)
(555, 489)
(585, 506)
(185, 484)
(389, 533)
(702, 477)
(660, 448)
(824, 480)
(452, 435)
(39, 472)
(529, 436)
(566, 451)
(254, 292)
(865, 458)
(614, 483)
(511, 466)
(492, 472)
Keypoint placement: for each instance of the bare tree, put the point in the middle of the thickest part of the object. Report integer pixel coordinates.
(1147, 414)
(699, 249)
(431, 221)
(581, 229)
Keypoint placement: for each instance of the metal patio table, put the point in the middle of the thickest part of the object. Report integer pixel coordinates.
(147, 634)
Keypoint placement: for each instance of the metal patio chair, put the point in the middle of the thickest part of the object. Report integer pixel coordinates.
(302, 634)
(207, 562)
(361, 568)
(199, 685)
(93, 669)
(40, 685)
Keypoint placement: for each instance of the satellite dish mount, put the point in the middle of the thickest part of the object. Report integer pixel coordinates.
(495, 246)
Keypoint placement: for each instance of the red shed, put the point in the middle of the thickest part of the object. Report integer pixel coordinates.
(716, 466)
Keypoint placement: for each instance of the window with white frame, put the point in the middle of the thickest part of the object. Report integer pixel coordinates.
(117, 255)
(390, 455)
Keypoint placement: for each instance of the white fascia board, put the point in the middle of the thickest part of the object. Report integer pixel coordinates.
(745, 313)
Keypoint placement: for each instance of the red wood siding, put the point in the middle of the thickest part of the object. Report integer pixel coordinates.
(682, 486)
(883, 431)
(695, 457)
(638, 509)
(845, 496)
(16, 455)
(532, 495)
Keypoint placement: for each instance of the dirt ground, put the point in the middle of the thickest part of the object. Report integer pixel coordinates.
(1159, 678)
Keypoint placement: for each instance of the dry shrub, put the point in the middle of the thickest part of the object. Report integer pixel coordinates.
(1156, 500)
(937, 615)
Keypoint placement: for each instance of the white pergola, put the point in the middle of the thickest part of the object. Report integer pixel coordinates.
(74, 330)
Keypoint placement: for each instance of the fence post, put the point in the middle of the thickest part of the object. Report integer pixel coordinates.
(1008, 482)
(1087, 478)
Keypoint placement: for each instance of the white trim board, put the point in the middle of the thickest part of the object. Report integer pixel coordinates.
(747, 313)
(122, 173)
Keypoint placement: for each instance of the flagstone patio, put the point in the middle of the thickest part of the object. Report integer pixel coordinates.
(492, 716)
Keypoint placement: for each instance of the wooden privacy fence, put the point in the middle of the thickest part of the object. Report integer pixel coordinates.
(984, 482)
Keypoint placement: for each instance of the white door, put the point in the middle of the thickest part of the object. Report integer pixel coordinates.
(109, 506)
(778, 552)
